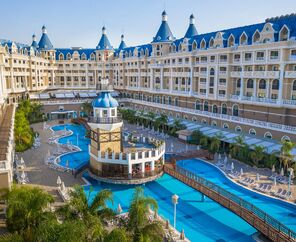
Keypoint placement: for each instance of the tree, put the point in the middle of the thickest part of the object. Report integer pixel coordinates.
(27, 208)
(161, 121)
(235, 147)
(204, 141)
(257, 154)
(87, 108)
(285, 155)
(214, 146)
(117, 234)
(196, 137)
(139, 224)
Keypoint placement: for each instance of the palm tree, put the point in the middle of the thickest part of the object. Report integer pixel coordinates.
(285, 155)
(257, 154)
(139, 224)
(87, 108)
(27, 208)
(117, 234)
(204, 141)
(235, 148)
(161, 121)
(214, 146)
(196, 136)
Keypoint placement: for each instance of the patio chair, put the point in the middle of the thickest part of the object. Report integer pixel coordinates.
(279, 191)
(283, 194)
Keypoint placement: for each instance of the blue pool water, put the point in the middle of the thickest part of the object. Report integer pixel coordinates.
(77, 159)
(201, 221)
(282, 211)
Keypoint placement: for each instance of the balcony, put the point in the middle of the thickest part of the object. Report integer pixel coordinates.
(222, 73)
(292, 58)
(102, 120)
(256, 74)
(290, 74)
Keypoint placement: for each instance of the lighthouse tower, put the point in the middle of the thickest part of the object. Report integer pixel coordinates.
(105, 129)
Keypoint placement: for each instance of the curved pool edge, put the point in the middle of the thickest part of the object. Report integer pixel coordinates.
(241, 186)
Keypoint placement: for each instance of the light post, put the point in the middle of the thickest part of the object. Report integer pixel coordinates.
(175, 202)
(291, 171)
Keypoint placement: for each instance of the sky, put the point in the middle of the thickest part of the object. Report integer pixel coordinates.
(78, 22)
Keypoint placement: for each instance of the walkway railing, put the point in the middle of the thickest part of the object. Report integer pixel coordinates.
(260, 220)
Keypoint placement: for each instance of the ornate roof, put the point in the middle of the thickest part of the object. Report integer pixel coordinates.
(104, 43)
(44, 43)
(164, 33)
(105, 100)
(191, 31)
(122, 43)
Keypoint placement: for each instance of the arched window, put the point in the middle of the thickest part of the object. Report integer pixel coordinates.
(225, 126)
(262, 84)
(214, 123)
(243, 39)
(275, 84)
(61, 56)
(185, 117)
(68, 56)
(83, 56)
(194, 119)
(268, 135)
(235, 110)
(286, 138)
(238, 129)
(252, 132)
(224, 108)
(250, 83)
(211, 43)
(92, 56)
(294, 85)
(194, 45)
(206, 106)
(204, 121)
(177, 116)
(176, 101)
(203, 44)
(212, 72)
(197, 105)
(170, 100)
(180, 47)
(163, 99)
(284, 34)
(238, 83)
(215, 108)
(231, 41)
(183, 81)
(256, 37)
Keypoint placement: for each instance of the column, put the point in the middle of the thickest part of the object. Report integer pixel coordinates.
(216, 82)
(191, 78)
(255, 89)
(267, 88)
(281, 84)
(161, 78)
(208, 82)
(152, 165)
(241, 92)
(143, 168)
(130, 170)
(171, 80)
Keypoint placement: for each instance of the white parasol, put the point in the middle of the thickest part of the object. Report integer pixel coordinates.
(119, 209)
(59, 181)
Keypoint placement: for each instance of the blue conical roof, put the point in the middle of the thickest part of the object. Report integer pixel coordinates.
(191, 31)
(164, 33)
(122, 43)
(104, 43)
(34, 42)
(44, 43)
(105, 100)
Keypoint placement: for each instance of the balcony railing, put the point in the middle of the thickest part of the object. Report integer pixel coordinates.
(103, 120)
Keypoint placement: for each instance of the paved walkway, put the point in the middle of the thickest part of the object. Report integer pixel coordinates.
(38, 172)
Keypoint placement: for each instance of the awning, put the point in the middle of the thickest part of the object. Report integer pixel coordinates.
(92, 94)
(69, 95)
(44, 96)
(83, 95)
(34, 96)
(59, 95)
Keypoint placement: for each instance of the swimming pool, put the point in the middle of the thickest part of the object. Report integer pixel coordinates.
(76, 159)
(282, 211)
(202, 221)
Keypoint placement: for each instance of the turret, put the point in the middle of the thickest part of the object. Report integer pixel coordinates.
(191, 31)
(122, 43)
(44, 43)
(164, 33)
(34, 41)
(104, 43)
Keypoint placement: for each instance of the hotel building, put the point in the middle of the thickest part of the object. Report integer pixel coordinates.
(241, 79)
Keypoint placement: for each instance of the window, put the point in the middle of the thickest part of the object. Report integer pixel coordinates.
(238, 129)
(231, 41)
(268, 135)
(112, 112)
(197, 105)
(274, 55)
(275, 85)
(235, 110)
(225, 126)
(224, 108)
(243, 39)
(222, 82)
(215, 109)
(236, 57)
(252, 132)
(223, 58)
(212, 72)
(206, 106)
(214, 123)
(260, 55)
(176, 102)
(203, 44)
(194, 45)
(294, 85)
(211, 43)
(262, 84)
(250, 83)
(256, 37)
(286, 138)
(248, 56)
(284, 34)
(105, 113)
(238, 83)
(68, 56)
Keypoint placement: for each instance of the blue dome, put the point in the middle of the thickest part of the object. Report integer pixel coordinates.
(191, 31)
(105, 100)
(104, 43)
(164, 33)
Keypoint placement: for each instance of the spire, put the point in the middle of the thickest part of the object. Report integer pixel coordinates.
(34, 41)
(164, 33)
(104, 43)
(122, 43)
(44, 43)
(191, 31)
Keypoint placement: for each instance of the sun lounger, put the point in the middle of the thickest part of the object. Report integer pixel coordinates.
(283, 194)
(259, 186)
(279, 191)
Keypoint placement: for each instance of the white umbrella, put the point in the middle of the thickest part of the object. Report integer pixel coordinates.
(274, 181)
(48, 153)
(22, 162)
(197, 147)
(258, 177)
(282, 172)
(63, 186)
(67, 163)
(59, 181)
(186, 147)
(225, 160)
(182, 235)
(119, 209)
(23, 175)
(241, 171)
(219, 156)
(273, 169)
(232, 166)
